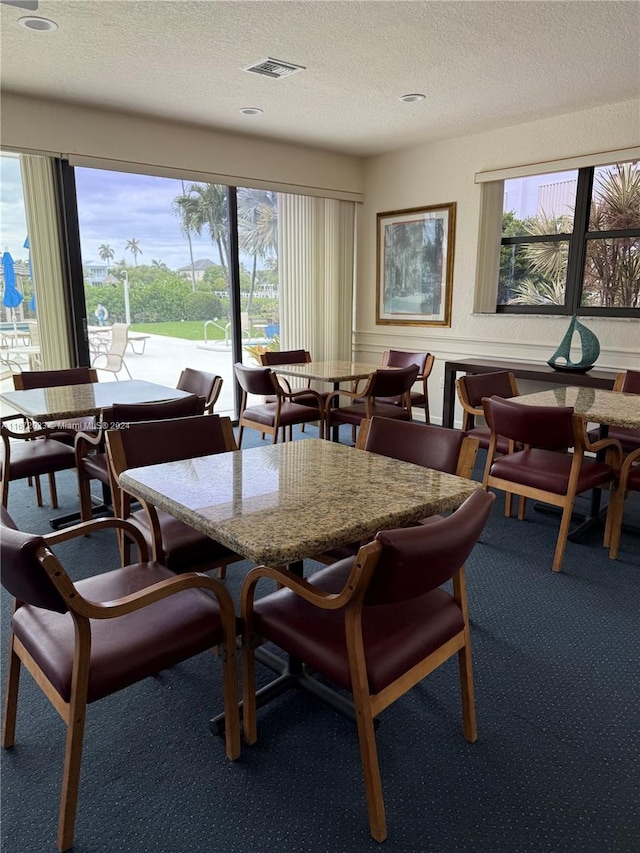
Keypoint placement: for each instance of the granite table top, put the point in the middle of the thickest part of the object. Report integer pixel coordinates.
(328, 371)
(285, 502)
(68, 401)
(613, 408)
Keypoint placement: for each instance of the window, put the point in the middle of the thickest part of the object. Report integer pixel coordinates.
(571, 242)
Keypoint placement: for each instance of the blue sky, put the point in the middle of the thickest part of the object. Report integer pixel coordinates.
(113, 207)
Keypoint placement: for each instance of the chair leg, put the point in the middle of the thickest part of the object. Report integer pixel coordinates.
(84, 493)
(249, 721)
(466, 687)
(508, 504)
(370, 768)
(38, 490)
(11, 698)
(614, 524)
(71, 775)
(53, 490)
(522, 507)
(562, 537)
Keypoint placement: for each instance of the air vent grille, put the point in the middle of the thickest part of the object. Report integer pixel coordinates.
(274, 68)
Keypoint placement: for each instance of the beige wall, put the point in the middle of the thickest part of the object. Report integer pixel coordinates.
(30, 124)
(444, 172)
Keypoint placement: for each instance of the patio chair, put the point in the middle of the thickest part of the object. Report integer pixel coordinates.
(113, 359)
(375, 625)
(83, 641)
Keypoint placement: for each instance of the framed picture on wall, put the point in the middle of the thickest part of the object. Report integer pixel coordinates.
(415, 266)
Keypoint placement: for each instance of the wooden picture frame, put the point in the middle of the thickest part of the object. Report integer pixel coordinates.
(415, 266)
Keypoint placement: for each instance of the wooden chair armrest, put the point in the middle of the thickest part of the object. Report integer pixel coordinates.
(27, 432)
(353, 395)
(358, 578)
(145, 597)
(86, 527)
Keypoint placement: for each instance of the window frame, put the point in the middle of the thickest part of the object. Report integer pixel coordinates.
(578, 240)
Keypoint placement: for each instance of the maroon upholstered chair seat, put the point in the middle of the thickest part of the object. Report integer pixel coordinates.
(375, 624)
(39, 456)
(290, 413)
(396, 636)
(545, 469)
(358, 412)
(126, 649)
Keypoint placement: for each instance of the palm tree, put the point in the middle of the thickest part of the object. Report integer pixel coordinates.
(106, 254)
(205, 206)
(612, 265)
(257, 228)
(133, 246)
(159, 265)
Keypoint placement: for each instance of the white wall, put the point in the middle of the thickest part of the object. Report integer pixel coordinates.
(444, 172)
(40, 126)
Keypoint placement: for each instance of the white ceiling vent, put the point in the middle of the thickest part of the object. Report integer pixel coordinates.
(274, 68)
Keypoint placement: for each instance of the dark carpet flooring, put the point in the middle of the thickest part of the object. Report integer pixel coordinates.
(554, 770)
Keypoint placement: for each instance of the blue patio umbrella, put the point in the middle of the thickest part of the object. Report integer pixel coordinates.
(11, 297)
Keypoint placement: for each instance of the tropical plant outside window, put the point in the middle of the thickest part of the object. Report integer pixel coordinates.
(571, 242)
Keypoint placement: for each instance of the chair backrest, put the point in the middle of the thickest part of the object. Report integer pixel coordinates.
(255, 380)
(54, 378)
(22, 574)
(206, 385)
(182, 407)
(546, 427)
(472, 388)
(289, 356)
(629, 382)
(119, 338)
(416, 560)
(152, 442)
(391, 383)
(429, 446)
(399, 358)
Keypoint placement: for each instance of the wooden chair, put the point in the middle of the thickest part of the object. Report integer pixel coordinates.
(471, 390)
(28, 453)
(627, 383)
(90, 456)
(544, 469)
(113, 359)
(207, 385)
(58, 431)
(425, 362)
(284, 413)
(375, 625)
(381, 385)
(173, 543)
(440, 448)
(84, 641)
(629, 481)
(292, 356)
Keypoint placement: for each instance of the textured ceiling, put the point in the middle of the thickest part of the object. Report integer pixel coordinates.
(481, 64)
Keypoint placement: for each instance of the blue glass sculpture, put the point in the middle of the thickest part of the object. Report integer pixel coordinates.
(589, 343)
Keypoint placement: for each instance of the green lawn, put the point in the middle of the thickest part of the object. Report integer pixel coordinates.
(188, 330)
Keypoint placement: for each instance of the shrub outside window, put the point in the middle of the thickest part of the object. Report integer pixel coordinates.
(571, 243)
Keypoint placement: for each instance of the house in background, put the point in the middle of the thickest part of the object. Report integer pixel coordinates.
(96, 273)
(198, 269)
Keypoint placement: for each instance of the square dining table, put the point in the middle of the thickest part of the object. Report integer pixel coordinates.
(282, 503)
(72, 401)
(329, 371)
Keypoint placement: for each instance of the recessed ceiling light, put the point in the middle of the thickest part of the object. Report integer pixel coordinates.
(251, 111)
(40, 25)
(409, 99)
